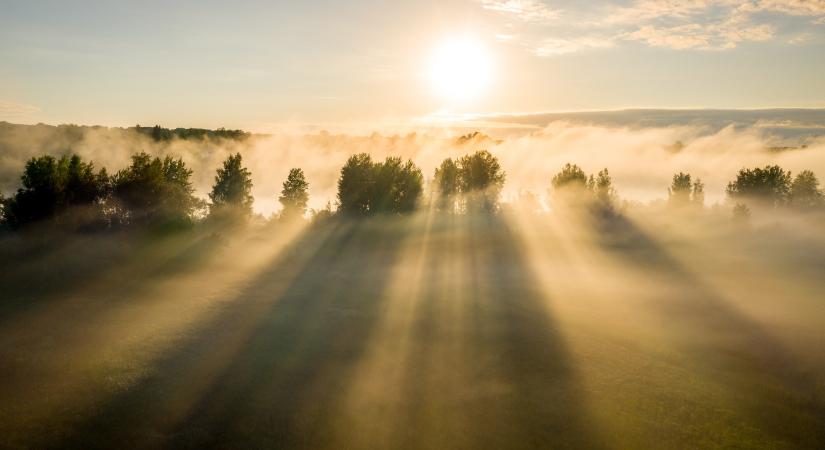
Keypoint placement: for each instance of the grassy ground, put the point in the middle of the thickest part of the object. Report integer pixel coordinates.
(423, 332)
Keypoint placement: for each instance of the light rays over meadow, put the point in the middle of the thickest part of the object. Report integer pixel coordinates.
(428, 331)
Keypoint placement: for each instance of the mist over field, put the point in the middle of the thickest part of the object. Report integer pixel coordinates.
(642, 149)
(412, 225)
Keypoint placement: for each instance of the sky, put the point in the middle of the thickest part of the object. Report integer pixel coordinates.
(260, 65)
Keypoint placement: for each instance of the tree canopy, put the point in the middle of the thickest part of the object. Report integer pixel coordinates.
(295, 194)
(770, 185)
(366, 187)
(232, 191)
(154, 190)
(57, 189)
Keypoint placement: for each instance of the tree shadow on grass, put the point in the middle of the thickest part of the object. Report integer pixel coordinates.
(269, 370)
(487, 367)
(781, 398)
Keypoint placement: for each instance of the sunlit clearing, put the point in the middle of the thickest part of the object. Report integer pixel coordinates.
(460, 69)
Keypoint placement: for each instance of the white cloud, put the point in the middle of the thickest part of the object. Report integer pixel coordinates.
(526, 10)
(675, 24)
(557, 47)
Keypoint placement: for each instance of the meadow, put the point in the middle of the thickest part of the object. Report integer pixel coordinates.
(434, 330)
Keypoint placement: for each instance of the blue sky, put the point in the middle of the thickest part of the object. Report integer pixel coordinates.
(255, 65)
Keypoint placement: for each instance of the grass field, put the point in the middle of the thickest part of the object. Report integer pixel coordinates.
(436, 332)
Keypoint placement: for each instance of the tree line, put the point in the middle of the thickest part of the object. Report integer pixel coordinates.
(72, 193)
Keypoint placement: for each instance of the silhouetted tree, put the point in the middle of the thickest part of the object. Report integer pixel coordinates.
(63, 190)
(480, 181)
(155, 191)
(232, 192)
(355, 185)
(571, 177)
(770, 185)
(684, 191)
(295, 194)
(447, 185)
(397, 187)
(804, 192)
(680, 189)
(366, 187)
(603, 189)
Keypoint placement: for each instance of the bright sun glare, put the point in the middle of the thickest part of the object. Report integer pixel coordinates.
(460, 69)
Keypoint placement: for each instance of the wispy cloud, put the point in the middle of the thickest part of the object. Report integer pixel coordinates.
(13, 110)
(556, 47)
(525, 10)
(709, 25)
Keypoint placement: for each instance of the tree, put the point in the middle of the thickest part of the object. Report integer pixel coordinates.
(295, 194)
(804, 192)
(770, 185)
(61, 190)
(154, 191)
(685, 191)
(480, 180)
(397, 187)
(572, 187)
(232, 192)
(447, 184)
(603, 189)
(680, 189)
(355, 185)
(366, 188)
(571, 177)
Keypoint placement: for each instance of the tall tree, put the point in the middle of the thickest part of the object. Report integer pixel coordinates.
(295, 194)
(232, 192)
(446, 184)
(481, 180)
(680, 189)
(805, 192)
(355, 185)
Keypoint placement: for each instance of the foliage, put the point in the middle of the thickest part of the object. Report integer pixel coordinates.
(572, 187)
(805, 192)
(53, 188)
(155, 191)
(295, 194)
(480, 180)
(366, 187)
(160, 134)
(447, 184)
(355, 185)
(570, 177)
(232, 192)
(684, 191)
(770, 185)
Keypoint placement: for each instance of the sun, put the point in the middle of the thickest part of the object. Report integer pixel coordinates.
(460, 69)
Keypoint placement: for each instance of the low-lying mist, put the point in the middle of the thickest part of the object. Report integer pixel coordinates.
(641, 159)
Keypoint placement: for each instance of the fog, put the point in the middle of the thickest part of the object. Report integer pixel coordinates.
(641, 159)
